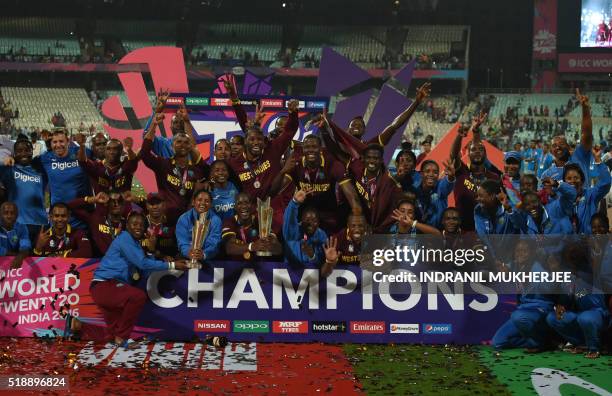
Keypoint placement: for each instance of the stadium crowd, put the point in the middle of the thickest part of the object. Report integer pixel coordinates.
(327, 193)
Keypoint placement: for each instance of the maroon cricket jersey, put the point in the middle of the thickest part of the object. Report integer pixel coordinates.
(322, 180)
(465, 190)
(74, 243)
(378, 195)
(348, 251)
(243, 234)
(165, 243)
(102, 230)
(103, 179)
(256, 176)
(174, 184)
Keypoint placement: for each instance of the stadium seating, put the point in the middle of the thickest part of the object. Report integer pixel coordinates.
(39, 36)
(131, 45)
(358, 44)
(40, 47)
(134, 30)
(423, 39)
(236, 39)
(37, 106)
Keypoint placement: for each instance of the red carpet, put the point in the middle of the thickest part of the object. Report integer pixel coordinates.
(171, 368)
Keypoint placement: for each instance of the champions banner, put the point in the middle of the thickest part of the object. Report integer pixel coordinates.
(267, 301)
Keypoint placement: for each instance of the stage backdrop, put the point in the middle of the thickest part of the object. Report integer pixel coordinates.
(253, 302)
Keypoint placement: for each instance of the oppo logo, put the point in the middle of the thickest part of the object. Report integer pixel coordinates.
(251, 326)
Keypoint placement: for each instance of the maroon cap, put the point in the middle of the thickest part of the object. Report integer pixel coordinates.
(154, 198)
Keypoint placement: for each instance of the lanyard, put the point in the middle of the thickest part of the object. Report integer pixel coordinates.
(113, 231)
(370, 184)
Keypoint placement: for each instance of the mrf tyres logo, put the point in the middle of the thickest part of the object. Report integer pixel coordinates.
(437, 328)
(251, 326)
(293, 327)
(326, 326)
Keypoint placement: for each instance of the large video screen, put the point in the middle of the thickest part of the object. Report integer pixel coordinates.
(596, 23)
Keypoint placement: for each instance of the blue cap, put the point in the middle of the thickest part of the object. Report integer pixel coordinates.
(513, 155)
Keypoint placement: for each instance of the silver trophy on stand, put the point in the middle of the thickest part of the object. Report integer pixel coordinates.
(264, 214)
(198, 235)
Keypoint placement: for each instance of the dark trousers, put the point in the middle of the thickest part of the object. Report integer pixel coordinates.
(120, 304)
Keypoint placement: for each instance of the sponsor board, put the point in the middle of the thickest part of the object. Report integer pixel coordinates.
(404, 328)
(197, 101)
(327, 326)
(594, 63)
(213, 326)
(301, 105)
(272, 102)
(174, 101)
(220, 102)
(251, 326)
(286, 326)
(367, 327)
(315, 105)
(437, 328)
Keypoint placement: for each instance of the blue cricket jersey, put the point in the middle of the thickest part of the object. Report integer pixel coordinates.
(223, 200)
(26, 187)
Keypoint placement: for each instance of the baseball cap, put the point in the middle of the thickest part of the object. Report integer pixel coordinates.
(154, 198)
(515, 155)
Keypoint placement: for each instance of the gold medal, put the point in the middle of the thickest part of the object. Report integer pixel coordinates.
(136, 276)
(246, 255)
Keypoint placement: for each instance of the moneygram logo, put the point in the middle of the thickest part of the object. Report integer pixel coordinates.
(368, 327)
(212, 326)
(220, 102)
(196, 101)
(175, 101)
(437, 328)
(295, 327)
(404, 328)
(251, 326)
(301, 104)
(272, 102)
(328, 327)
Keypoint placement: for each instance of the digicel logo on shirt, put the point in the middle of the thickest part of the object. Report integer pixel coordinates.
(174, 101)
(299, 327)
(272, 102)
(368, 327)
(64, 165)
(213, 326)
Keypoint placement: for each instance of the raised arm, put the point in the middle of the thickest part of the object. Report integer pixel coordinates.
(586, 138)
(241, 115)
(422, 93)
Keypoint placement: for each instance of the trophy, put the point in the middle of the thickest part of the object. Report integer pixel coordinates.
(198, 234)
(264, 214)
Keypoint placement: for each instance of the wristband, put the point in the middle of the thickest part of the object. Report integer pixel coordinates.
(331, 262)
(171, 265)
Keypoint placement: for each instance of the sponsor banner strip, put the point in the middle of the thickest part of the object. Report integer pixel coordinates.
(254, 302)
